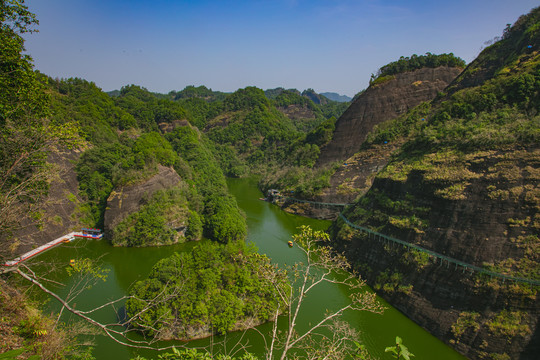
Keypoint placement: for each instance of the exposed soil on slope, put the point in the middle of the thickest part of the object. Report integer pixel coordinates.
(297, 112)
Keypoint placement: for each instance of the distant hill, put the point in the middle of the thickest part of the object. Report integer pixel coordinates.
(272, 94)
(113, 93)
(336, 97)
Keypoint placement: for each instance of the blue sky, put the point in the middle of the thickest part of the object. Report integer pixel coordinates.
(327, 45)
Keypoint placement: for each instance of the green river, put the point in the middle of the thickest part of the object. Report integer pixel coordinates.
(269, 228)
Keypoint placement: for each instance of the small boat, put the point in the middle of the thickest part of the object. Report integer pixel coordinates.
(290, 243)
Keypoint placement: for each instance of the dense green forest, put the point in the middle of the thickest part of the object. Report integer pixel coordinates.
(233, 134)
(212, 289)
(123, 139)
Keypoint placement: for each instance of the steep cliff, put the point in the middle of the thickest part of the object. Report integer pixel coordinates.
(155, 212)
(126, 200)
(61, 211)
(488, 217)
(463, 183)
(383, 101)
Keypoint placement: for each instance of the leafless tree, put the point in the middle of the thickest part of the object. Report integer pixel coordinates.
(330, 338)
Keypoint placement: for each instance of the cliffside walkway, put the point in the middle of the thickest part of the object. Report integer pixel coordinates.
(442, 258)
(62, 239)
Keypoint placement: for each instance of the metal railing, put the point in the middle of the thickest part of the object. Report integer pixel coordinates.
(442, 258)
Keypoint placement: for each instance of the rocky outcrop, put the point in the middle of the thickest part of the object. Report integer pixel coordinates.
(126, 200)
(167, 127)
(382, 102)
(297, 112)
(352, 179)
(60, 213)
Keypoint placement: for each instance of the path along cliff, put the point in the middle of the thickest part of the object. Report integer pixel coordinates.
(462, 181)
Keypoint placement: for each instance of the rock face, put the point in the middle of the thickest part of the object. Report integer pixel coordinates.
(167, 127)
(492, 223)
(297, 112)
(59, 214)
(126, 200)
(352, 179)
(382, 102)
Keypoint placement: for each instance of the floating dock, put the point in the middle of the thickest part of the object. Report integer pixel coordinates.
(85, 233)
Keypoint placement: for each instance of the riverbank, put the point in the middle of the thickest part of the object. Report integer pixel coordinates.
(269, 228)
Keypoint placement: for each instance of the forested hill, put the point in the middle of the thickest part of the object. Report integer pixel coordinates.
(128, 137)
(253, 130)
(121, 151)
(462, 181)
(339, 178)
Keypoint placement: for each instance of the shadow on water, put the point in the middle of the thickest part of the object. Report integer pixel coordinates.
(269, 228)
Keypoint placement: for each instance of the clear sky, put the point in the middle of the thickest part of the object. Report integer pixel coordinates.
(327, 45)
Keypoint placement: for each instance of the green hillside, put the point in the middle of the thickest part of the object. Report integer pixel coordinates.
(463, 182)
(446, 226)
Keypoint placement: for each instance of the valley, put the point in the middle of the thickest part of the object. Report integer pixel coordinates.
(420, 194)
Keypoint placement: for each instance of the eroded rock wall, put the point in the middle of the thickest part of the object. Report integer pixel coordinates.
(60, 213)
(126, 200)
(383, 102)
(491, 223)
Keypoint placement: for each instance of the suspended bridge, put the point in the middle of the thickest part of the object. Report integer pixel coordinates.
(442, 258)
(465, 267)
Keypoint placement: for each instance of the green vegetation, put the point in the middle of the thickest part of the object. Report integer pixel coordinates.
(416, 62)
(249, 133)
(392, 282)
(399, 351)
(482, 128)
(466, 321)
(163, 220)
(381, 80)
(300, 182)
(223, 219)
(79, 101)
(26, 133)
(120, 163)
(448, 143)
(290, 97)
(509, 324)
(200, 92)
(194, 354)
(127, 150)
(418, 259)
(471, 150)
(28, 334)
(211, 290)
(147, 109)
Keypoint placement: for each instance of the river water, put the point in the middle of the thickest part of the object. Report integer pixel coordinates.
(269, 228)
